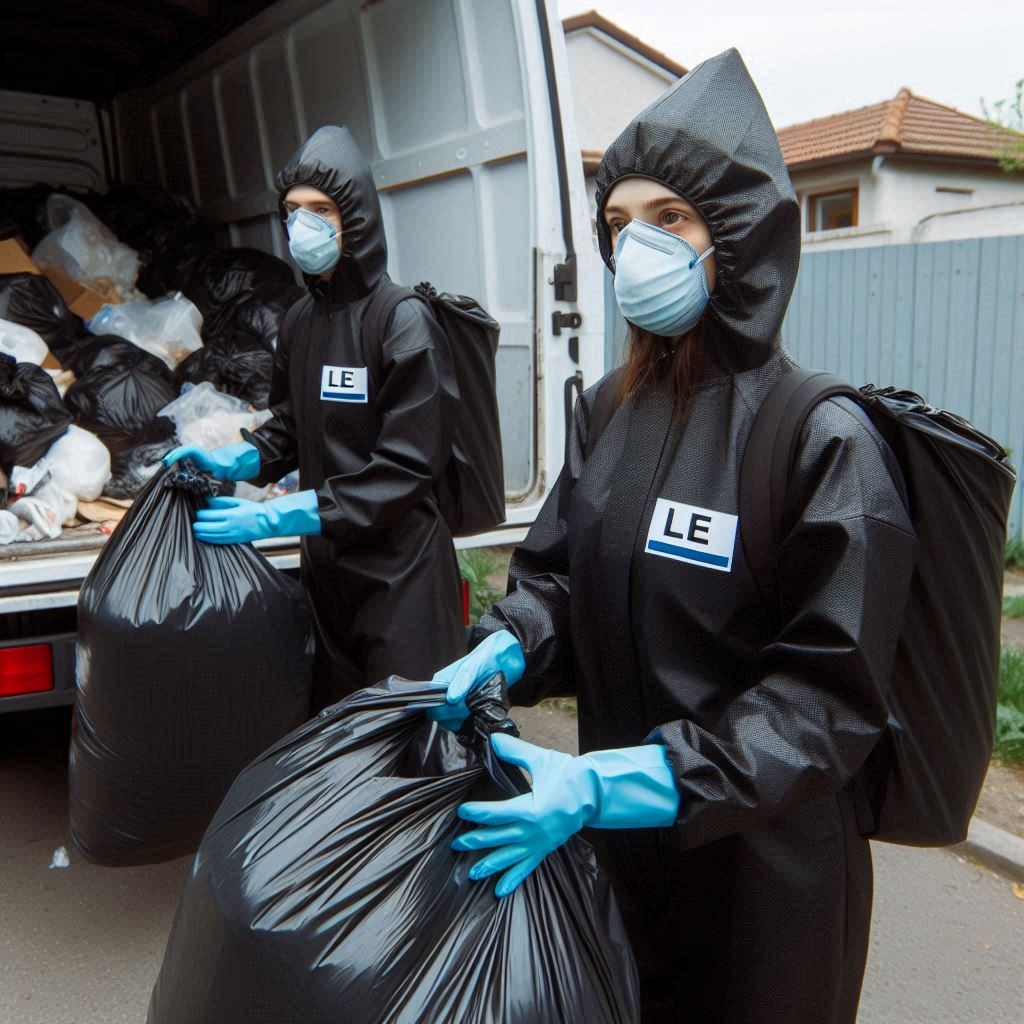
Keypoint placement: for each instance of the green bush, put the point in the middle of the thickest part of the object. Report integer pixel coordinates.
(1013, 607)
(1014, 557)
(476, 564)
(1009, 743)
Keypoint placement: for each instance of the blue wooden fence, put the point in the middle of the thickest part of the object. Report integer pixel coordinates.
(945, 319)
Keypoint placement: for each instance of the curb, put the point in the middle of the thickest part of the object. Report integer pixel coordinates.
(996, 849)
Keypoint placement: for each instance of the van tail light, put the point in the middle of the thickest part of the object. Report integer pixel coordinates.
(25, 670)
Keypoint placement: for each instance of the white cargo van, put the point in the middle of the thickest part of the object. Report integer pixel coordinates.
(463, 109)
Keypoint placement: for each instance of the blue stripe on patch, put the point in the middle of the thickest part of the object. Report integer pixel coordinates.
(342, 398)
(688, 553)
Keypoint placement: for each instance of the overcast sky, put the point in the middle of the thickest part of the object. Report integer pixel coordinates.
(812, 58)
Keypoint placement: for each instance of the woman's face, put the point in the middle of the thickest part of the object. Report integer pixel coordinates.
(642, 199)
(305, 197)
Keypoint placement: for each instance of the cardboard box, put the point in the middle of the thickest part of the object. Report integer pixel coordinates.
(82, 301)
(14, 258)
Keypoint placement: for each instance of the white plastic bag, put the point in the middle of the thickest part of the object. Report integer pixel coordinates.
(22, 342)
(208, 418)
(79, 462)
(45, 511)
(86, 250)
(167, 327)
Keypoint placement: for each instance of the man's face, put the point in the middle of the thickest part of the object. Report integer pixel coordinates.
(305, 197)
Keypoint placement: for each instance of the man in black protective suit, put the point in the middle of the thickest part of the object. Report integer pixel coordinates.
(368, 424)
(718, 745)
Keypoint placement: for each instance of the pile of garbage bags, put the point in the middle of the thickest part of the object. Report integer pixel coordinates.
(120, 320)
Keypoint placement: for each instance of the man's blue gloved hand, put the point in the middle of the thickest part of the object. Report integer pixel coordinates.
(500, 652)
(628, 788)
(235, 521)
(231, 462)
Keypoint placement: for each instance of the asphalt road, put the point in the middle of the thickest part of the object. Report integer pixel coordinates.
(82, 945)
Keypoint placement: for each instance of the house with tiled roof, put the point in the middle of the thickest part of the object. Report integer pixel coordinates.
(905, 170)
(614, 75)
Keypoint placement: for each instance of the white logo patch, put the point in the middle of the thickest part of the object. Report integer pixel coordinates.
(343, 384)
(697, 535)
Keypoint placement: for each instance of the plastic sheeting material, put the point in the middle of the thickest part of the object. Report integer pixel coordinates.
(192, 658)
(326, 890)
(32, 301)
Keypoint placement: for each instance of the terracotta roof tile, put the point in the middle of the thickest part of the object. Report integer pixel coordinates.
(591, 19)
(905, 124)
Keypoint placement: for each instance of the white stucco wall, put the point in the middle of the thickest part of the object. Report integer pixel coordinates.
(610, 86)
(898, 203)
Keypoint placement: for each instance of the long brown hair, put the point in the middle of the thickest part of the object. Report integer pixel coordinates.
(652, 358)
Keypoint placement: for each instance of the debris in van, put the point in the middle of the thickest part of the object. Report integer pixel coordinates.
(82, 247)
(167, 327)
(79, 462)
(205, 417)
(31, 300)
(236, 364)
(32, 414)
(118, 391)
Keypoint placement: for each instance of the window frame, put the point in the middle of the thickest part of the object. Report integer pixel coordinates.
(813, 199)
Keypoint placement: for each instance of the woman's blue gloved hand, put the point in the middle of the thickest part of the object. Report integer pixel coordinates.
(235, 521)
(633, 787)
(230, 462)
(500, 652)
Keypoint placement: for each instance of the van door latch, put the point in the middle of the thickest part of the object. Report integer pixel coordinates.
(570, 320)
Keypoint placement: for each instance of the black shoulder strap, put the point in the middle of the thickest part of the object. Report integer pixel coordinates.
(767, 466)
(381, 307)
(292, 316)
(605, 404)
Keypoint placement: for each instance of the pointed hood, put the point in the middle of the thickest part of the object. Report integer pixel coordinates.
(330, 160)
(709, 138)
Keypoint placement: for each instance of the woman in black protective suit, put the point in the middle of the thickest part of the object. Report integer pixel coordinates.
(369, 424)
(718, 749)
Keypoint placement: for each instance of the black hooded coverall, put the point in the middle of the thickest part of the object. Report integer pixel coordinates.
(382, 576)
(755, 906)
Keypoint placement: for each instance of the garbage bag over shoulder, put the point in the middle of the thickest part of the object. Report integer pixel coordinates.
(32, 301)
(32, 415)
(119, 389)
(192, 658)
(326, 889)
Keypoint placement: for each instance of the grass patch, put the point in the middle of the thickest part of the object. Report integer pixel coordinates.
(476, 565)
(1009, 743)
(566, 704)
(1014, 556)
(1013, 607)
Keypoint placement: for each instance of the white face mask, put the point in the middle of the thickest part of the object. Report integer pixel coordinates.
(312, 241)
(660, 283)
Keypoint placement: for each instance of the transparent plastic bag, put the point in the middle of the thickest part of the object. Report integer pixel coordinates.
(167, 328)
(206, 417)
(79, 462)
(22, 342)
(81, 246)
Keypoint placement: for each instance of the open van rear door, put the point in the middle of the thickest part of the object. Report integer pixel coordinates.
(463, 108)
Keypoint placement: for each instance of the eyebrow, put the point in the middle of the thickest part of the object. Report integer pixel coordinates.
(652, 204)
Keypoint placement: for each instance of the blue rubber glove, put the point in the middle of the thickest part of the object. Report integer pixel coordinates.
(235, 521)
(499, 652)
(628, 788)
(230, 462)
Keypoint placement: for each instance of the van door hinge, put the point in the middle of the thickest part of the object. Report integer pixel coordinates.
(565, 280)
(560, 320)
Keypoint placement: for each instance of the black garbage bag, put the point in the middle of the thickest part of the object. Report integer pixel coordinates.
(192, 658)
(32, 301)
(165, 230)
(119, 389)
(236, 364)
(26, 207)
(32, 415)
(325, 889)
(132, 468)
(229, 276)
(262, 314)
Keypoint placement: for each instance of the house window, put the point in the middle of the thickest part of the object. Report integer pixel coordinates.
(827, 211)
